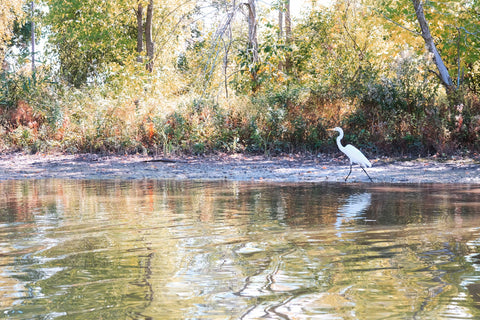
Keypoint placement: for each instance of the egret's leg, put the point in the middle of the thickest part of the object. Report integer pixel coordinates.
(366, 174)
(348, 175)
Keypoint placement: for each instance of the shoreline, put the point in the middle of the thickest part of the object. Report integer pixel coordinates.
(236, 167)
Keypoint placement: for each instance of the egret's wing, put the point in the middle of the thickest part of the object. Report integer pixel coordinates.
(356, 156)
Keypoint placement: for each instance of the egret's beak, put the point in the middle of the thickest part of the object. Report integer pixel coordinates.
(331, 129)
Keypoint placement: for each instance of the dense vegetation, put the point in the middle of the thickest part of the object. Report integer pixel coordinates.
(232, 76)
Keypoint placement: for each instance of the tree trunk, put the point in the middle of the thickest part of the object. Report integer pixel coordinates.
(140, 32)
(280, 21)
(288, 37)
(252, 39)
(227, 47)
(430, 44)
(33, 42)
(148, 36)
(288, 23)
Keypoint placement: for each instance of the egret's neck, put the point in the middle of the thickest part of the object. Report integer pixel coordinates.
(339, 143)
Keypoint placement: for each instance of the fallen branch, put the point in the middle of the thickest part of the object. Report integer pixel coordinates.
(165, 160)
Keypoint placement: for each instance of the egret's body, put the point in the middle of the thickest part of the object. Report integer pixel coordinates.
(353, 154)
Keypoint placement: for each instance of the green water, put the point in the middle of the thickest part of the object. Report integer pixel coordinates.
(231, 250)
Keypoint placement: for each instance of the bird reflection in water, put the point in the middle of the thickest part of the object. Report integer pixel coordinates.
(355, 205)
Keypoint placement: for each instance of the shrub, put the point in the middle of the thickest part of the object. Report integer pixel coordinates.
(396, 106)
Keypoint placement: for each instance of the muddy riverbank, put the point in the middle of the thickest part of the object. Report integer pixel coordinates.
(234, 167)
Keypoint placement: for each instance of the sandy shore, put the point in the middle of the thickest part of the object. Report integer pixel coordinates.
(234, 167)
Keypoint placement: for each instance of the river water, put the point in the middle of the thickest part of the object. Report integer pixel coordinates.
(95, 249)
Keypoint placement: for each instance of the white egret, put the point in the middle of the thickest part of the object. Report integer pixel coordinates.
(355, 155)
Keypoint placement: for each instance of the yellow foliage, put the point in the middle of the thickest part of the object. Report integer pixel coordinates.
(10, 10)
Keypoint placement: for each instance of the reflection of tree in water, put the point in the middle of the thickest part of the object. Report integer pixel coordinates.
(150, 249)
(82, 266)
(403, 261)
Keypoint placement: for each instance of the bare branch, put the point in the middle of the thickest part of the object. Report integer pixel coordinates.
(395, 23)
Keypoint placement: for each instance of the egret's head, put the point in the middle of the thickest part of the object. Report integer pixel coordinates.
(338, 129)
